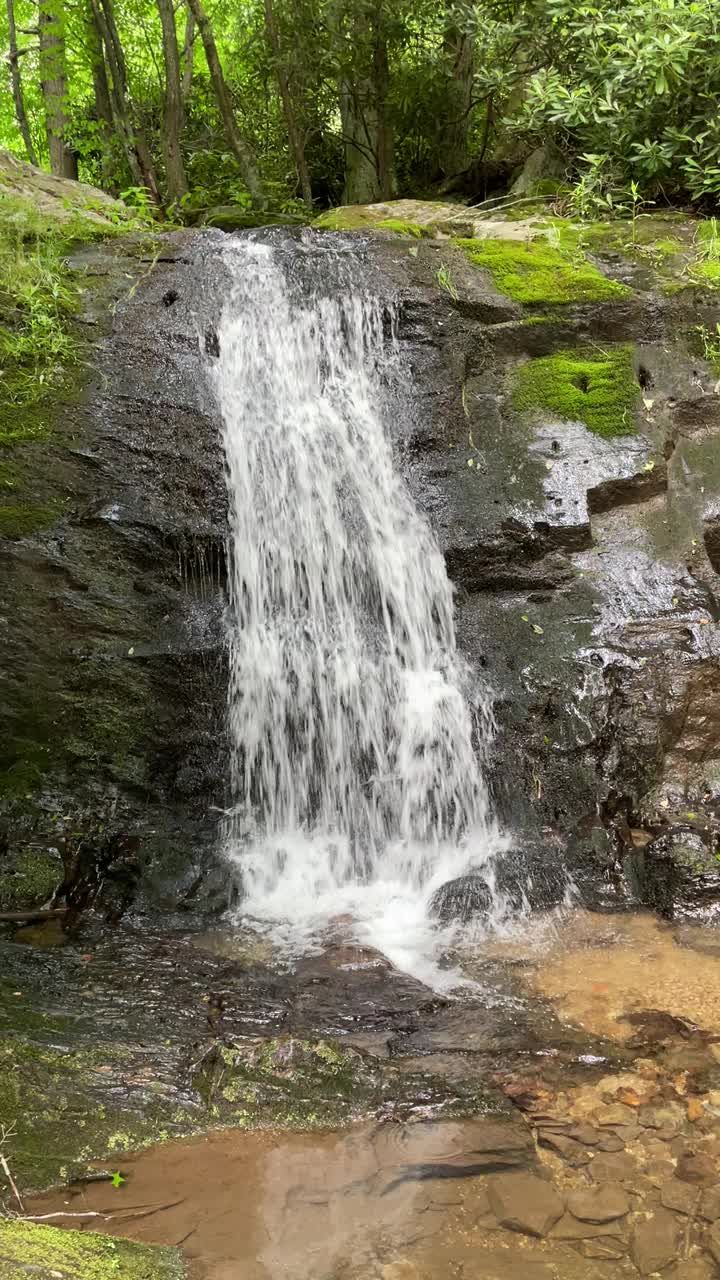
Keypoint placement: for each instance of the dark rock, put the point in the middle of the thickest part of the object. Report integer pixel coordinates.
(696, 1167)
(525, 1203)
(466, 898)
(711, 536)
(655, 1242)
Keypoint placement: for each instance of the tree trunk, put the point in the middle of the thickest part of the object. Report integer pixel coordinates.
(367, 128)
(188, 57)
(239, 144)
(459, 48)
(14, 60)
(53, 81)
(173, 112)
(137, 151)
(295, 137)
(101, 89)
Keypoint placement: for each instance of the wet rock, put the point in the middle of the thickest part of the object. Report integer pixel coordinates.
(654, 1242)
(609, 1249)
(525, 1203)
(602, 1204)
(676, 871)
(693, 1269)
(573, 1152)
(710, 1204)
(711, 537)
(464, 899)
(613, 1168)
(571, 1228)
(681, 1197)
(712, 1241)
(696, 1167)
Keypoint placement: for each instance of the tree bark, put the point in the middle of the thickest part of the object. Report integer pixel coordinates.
(136, 149)
(53, 81)
(188, 57)
(459, 49)
(295, 137)
(18, 99)
(238, 143)
(173, 111)
(366, 123)
(101, 89)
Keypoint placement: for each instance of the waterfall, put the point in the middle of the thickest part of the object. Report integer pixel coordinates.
(355, 779)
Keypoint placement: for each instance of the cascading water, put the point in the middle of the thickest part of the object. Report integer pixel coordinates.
(354, 770)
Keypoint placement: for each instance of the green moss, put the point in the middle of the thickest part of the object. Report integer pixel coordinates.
(288, 1083)
(540, 272)
(28, 879)
(346, 218)
(20, 521)
(81, 1255)
(403, 228)
(597, 388)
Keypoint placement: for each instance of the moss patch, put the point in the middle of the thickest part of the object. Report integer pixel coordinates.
(403, 228)
(29, 878)
(540, 272)
(597, 388)
(20, 521)
(288, 1083)
(81, 1255)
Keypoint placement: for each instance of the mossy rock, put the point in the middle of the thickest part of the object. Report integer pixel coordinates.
(48, 1254)
(18, 521)
(29, 878)
(287, 1083)
(598, 388)
(539, 272)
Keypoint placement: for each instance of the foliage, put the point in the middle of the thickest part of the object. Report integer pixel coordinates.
(632, 91)
(541, 273)
(598, 388)
(626, 91)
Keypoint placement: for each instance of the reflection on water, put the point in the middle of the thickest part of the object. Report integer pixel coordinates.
(395, 1202)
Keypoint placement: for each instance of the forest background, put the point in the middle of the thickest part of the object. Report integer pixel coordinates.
(289, 106)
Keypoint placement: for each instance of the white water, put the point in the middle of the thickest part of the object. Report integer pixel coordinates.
(356, 786)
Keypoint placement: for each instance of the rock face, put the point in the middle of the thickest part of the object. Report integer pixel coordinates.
(113, 688)
(560, 438)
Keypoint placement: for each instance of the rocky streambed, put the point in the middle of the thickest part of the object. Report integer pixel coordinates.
(561, 436)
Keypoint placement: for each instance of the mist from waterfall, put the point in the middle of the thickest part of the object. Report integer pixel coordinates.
(355, 777)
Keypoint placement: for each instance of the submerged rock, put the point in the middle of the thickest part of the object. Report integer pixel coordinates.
(467, 898)
(524, 1202)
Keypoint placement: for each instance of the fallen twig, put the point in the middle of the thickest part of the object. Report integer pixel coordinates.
(6, 1170)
